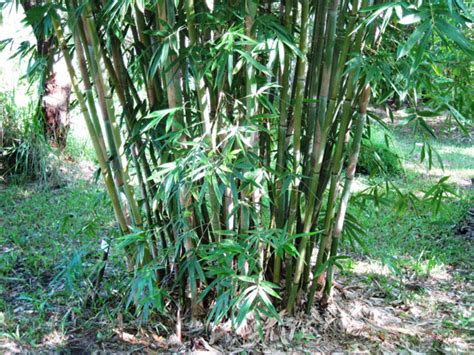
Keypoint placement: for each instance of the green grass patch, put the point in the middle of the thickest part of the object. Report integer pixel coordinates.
(50, 242)
(418, 238)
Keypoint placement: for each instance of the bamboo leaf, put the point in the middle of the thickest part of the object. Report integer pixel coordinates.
(157, 116)
(445, 29)
(413, 18)
(426, 127)
(459, 118)
(253, 62)
(414, 38)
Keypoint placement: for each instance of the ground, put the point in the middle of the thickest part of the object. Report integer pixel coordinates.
(413, 291)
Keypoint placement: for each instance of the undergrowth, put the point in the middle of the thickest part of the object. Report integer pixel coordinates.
(50, 241)
(24, 153)
(378, 159)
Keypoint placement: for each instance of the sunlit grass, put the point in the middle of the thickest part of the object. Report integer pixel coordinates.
(423, 234)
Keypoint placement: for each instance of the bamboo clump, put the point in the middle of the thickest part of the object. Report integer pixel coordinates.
(222, 131)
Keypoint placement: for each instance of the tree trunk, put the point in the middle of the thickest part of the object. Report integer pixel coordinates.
(55, 110)
(53, 103)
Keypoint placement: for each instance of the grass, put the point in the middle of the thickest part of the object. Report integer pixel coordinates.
(50, 249)
(416, 257)
(79, 146)
(419, 234)
(79, 149)
(50, 245)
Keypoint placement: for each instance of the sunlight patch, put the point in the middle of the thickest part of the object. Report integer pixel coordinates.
(370, 267)
(54, 339)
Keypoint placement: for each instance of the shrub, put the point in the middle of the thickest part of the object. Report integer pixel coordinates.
(24, 153)
(378, 159)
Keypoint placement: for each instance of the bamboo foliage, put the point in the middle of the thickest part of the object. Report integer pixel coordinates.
(232, 125)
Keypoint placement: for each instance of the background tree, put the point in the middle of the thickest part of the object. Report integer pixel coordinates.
(53, 91)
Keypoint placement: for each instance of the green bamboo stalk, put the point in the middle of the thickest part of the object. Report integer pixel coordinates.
(83, 66)
(298, 113)
(297, 119)
(251, 7)
(363, 104)
(333, 192)
(105, 101)
(280, 209)
(172, 76)
(321, 135)
(90, 97)
(129, 94)
(314, 82)
(203, 103)
(350, 173)
(311, 90)
(322, 185)
(111, 189)
(89, 93)
(200, 84)
(154, 88)
(118, 77)
(338, 156)
(171, 70)
(343, 45)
